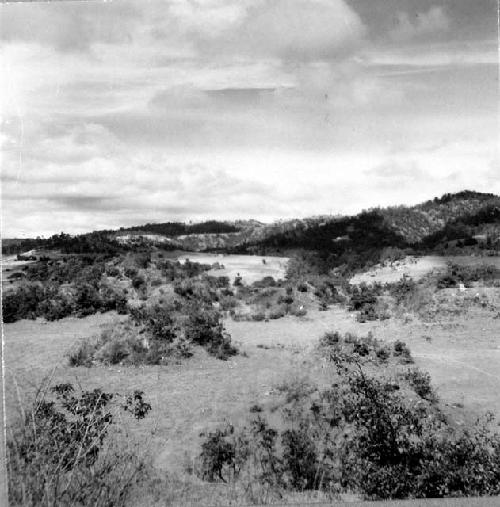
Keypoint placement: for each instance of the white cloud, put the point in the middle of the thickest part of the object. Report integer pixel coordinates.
(125, 112)
(423, 24)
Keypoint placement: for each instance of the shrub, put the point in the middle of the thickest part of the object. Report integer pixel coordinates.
(383, 354)
(300, 459)
(112, 299)
(112, 270)
(421, 383)
(219, 458)
(327, 292)
(87, 299)
(364, 299)
(402, 289)
(258, 316)
(23, 303)
(113, 351)
(323, 306)
(55, 309)
(361, 348)
(131, 272)
(402, 351)
(456, 274)
(277, 312)
(60, 454)
(298, 311)
(330, 339)
(267, 281)
(138, 282)
(82, 355)
(204, 327)
(359, 435)
(287, 300)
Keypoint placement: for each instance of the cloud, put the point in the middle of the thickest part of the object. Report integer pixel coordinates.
(208, 18)
(69, 26)
(296, 30)
(304, 30)
(423, 24)
(447, 54)
(396, 172)
(290, 29)
(121, 112)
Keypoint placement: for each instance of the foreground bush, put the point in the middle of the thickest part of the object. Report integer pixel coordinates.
(62, 452)
(361, 435)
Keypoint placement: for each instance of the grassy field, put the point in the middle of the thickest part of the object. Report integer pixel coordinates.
(462, 357)
(461, 353)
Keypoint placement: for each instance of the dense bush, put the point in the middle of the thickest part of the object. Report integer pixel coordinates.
(402, 289)
(138, 282)
(401, 350)
(179, 228)
(23, 302)
(421, 383)
(358, 435)
(204, 327)
(456, 274)
(267, 281)
(365, 300)
(55, 289)
(157, 334)
(277, 312)
(59, 453)
(326, 291)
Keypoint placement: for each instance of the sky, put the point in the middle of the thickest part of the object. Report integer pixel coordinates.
(124, 112)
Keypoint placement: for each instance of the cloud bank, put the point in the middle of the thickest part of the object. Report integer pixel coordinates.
(118, 113)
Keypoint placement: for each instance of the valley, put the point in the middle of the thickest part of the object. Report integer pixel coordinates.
(211, 340)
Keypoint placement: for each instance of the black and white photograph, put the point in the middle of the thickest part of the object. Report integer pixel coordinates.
(250, 253)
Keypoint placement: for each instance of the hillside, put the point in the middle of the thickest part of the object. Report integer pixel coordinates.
(451, 217)
(463, 219)
(245, 360)
(417, 222)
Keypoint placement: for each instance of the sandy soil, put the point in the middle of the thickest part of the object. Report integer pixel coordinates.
(250, 267)
(417, 267)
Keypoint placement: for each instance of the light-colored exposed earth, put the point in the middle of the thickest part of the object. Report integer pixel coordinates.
(417, 267)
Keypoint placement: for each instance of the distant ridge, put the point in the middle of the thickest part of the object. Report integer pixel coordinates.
(460, 216)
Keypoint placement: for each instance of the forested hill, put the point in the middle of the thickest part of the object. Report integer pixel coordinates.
(418, 222)
(180, 228)
(453, 218)
(461, 219)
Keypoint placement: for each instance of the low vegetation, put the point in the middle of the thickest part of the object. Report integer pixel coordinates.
(69, 448)
(364, 434)
(158, 334)
(367, 422)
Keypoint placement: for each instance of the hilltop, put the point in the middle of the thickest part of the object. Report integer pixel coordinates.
(429, 218)
(462, 220)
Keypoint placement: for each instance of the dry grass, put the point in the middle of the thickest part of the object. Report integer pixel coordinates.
(461, 353)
